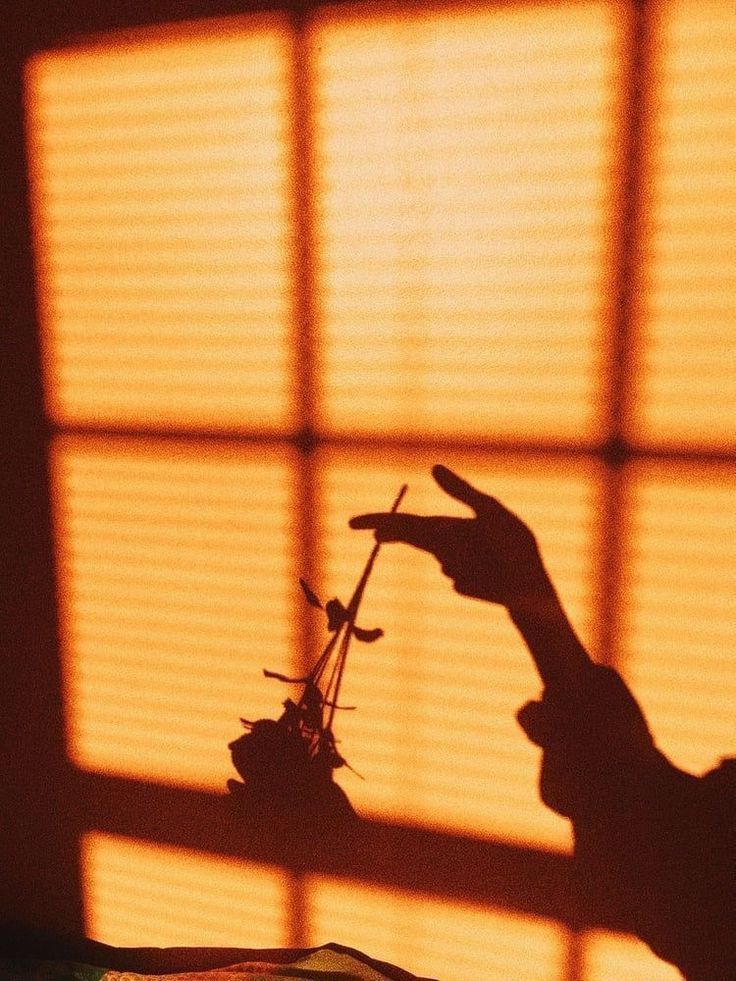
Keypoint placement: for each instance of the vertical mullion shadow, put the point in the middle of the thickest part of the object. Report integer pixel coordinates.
(304, 519)
(304, 341)
(626, 276)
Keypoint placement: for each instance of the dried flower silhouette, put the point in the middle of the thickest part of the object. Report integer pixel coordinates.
(295, 755)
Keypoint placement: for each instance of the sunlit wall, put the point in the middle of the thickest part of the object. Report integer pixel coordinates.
(408, 235)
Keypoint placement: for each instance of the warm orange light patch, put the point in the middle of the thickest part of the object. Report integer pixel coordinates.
(434, 732)
(434, 937)
(686, 371)
(680, 627)
(175, 584)
(613, 957)
(140, 894)
(160, 170)
(463, 163)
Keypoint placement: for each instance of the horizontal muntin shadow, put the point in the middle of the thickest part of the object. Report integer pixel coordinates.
(436, 862)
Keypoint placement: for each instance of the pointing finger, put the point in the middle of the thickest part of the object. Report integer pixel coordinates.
(392, 527)
(368, 520)
(428, 534)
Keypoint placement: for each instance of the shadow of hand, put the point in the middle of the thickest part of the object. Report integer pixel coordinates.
(492, 556)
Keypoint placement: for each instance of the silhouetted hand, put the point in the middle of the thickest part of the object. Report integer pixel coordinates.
(492, 556)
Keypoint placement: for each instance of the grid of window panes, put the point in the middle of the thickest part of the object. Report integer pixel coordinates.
(462, 230)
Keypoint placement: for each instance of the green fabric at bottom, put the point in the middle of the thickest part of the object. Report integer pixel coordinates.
(323, 964)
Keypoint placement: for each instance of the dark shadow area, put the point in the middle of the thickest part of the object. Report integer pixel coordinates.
(285, 795)
(39, 831)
